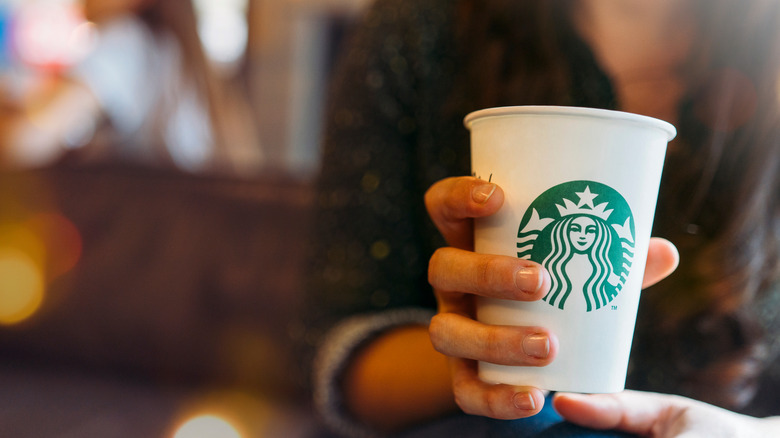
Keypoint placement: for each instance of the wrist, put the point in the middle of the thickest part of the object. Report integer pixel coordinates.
(336, 355)
(399, 380)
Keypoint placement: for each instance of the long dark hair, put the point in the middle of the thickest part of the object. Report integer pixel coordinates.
(719, 197)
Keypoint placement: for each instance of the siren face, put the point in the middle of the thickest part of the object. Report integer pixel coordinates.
(582, 232)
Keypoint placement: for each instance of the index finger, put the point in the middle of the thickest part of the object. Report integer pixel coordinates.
(452, 203)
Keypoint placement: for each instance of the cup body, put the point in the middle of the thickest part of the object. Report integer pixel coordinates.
(580, 189)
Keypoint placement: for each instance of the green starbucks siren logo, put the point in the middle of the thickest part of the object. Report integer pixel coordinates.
(582, 232)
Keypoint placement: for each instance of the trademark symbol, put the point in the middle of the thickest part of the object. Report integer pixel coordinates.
(614, 307)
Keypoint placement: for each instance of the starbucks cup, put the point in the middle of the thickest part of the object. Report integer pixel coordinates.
(580, 188)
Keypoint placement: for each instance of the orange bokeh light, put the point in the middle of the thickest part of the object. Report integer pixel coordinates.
(33, 252)
(61, 239)
(22, 286)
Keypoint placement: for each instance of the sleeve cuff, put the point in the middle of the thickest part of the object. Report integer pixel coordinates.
(335, 353)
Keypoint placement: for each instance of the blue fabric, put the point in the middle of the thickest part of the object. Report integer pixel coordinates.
(546, 424)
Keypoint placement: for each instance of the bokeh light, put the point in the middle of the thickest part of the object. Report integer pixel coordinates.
(61, 239)
(232, 414)
(21, 286)
(5, 20)
(223, 30)
(20, 236)
(51, 34)
(35, 249)
(22, 272)
(207, 426)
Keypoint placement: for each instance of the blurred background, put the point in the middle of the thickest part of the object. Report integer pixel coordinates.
(278, 52)
(156, 163)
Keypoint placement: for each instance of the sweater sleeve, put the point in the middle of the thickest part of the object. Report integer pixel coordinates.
(335, 353)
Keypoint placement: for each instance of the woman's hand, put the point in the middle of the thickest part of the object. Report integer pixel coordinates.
(660, 416)
(458, 275)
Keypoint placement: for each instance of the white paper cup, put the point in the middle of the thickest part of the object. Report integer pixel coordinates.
(580, 189)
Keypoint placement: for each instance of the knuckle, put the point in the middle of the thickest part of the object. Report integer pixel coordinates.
(433, 266)
(493, 274)
(436, 332)
(429, 200)
(502, 348)
(438, 195)
(490, 345)
(487, 269)
(492, 404)
(462, 399)
(457, 201)
(501, 345)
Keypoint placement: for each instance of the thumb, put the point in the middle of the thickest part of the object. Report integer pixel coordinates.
(629, 411)
(662, 260)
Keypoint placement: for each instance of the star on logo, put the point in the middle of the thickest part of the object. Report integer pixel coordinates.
(584, 206)
(586, 198)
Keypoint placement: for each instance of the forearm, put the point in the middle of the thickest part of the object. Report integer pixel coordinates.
(399, 380)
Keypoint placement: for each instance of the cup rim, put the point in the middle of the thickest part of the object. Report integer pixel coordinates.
(667, 127)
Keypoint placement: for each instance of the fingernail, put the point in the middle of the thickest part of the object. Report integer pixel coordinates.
(524, 400)
(528, 279)
(537, 346)
(482, 193)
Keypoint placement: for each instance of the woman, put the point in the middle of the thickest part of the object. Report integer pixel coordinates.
(395, 136)
(145, 93)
